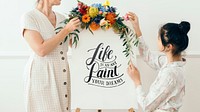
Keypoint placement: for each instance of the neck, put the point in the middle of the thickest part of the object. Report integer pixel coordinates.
(45, 7)
(172, 58)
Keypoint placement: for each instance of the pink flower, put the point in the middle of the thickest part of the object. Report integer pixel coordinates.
(126, 17)
(101, 12)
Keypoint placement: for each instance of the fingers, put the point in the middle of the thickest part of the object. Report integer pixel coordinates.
(75, 22)
(129, 70)
(74, 19)
(132, 15)
(132, 66)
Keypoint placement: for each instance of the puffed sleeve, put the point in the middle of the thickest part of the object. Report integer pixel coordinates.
(155, 61)
(28, 22)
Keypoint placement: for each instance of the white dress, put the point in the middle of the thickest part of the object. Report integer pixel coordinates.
(47, 79)
(167, 91)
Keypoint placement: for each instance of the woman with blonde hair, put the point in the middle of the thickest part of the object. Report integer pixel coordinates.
(47, 76)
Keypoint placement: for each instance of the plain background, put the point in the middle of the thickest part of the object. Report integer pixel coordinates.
(152, 13)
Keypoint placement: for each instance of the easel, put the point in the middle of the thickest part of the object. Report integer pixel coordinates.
(99, 110)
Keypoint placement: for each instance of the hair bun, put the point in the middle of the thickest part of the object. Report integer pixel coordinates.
(184, 27)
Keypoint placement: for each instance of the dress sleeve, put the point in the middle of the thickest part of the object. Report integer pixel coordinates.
(155, 61)
(28, 22)
(158, 93)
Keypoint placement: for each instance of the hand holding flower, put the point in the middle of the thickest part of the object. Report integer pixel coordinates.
(73, 24)
(135, 22)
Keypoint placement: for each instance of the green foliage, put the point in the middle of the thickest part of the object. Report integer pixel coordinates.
(126, 34)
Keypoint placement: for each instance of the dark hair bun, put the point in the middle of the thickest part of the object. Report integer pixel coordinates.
(184, 27)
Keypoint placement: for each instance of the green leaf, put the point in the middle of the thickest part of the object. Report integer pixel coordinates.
(130, 40)
(75, 41)
(76, 37)
(77, 31)
(132, 52)
(124, 43)
(66, 38)
(66, 21)
(136, 43)
(58, 28)
(74, 34)
(122, 36)
(124, 51)
(127, 55)
(124, 40)
(91, 31)
(127, 30)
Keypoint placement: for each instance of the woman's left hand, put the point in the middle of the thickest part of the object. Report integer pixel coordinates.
(134, 74)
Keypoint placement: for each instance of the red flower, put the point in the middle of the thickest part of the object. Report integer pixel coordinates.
(82, 8)
(83, 11)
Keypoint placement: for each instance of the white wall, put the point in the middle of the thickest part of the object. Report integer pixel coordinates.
(11, 83)
(152, 13)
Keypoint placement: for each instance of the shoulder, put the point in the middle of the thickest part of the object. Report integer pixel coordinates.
(170, 73)
(29, 15)
(162, 59)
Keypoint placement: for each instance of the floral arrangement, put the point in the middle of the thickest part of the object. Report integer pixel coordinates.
(102, 16)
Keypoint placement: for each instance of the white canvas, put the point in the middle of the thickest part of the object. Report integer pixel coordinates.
(115, 91)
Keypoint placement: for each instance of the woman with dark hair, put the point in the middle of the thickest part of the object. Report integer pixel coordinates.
(167, 91)
(47, 77)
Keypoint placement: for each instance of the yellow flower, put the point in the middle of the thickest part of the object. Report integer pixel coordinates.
(107, 3)
(93, 12)
(107, 26)
(86, 18)
(104, 14)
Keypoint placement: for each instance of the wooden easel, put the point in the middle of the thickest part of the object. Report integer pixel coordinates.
(99, 110)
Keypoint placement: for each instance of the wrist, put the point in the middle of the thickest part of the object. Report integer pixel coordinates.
(137, 83)
(66, 31)
(138, 32)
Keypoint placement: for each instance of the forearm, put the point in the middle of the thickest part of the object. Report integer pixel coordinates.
(137, 31)
(49, 45)
(143, 100)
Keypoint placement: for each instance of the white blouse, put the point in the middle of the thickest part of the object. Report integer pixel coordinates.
(167, 91)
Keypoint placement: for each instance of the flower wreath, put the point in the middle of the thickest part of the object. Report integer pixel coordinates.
(105, 17)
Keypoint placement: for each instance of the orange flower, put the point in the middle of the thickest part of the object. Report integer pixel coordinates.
(94, 26)
(86, 18)
(111, 17)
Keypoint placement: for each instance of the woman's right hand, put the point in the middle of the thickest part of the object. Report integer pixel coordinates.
(73, 24)
(135, 22)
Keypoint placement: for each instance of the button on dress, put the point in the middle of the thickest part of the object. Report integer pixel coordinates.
(47, 79)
